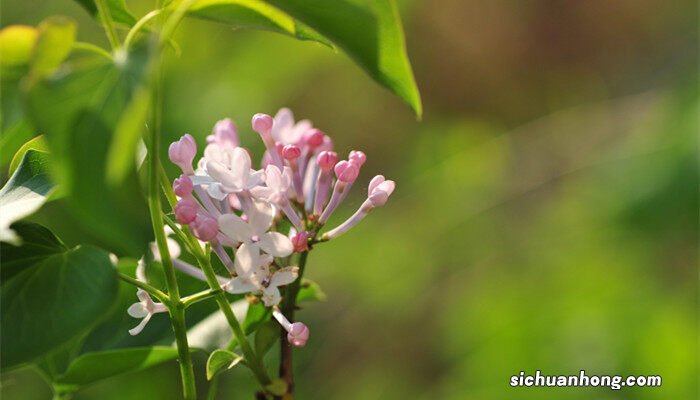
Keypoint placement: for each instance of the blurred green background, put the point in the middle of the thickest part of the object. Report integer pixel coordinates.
(546, 211)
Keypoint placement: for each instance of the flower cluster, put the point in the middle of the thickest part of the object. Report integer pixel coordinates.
(242, 212)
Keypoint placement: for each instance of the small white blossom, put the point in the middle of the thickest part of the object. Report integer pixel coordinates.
(144, 309)
(254, 232)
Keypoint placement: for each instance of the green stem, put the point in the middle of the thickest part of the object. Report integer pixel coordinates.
(252, 360)
(197, 297)
(177, 318)
(91, 48)
(162, 297)
(286, 371)
(108, 24)
(138, 26)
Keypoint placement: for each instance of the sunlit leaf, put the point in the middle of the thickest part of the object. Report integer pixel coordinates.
(37, 143)
(253, 14)
(221, 359)
(55, 42)
(93, 367)
(78, 112)
(369, 31)
(25, 192)
(54, 302)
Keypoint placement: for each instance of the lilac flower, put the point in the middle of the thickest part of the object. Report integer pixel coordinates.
(254, 231)
(145, 309)
(182, 153)
(232, 177)
(297, 332)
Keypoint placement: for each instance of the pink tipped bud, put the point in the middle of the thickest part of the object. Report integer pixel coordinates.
(183, 186)
(298, 334)
(205, 228)
(262, 123)
(291, 152)
(183, 152)
(379, 190)
(224, 134)
(346, 171)
(314, 138)
(326, 160)
(357, 157)
(300, 241)
(186, 211)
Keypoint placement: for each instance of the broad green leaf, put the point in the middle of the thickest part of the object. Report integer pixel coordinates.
(16, 45)
(55, 42)
(117, 10)
(253, 14)
(220, 359)
(369, 31)
(78, 113)
(54, 302)
(310, 291)
(131, 126)
(93, 367)
(25, 192)
(13, 136)
(37, 244)
(37, 143)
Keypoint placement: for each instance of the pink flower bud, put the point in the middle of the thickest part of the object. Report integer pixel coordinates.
(182, 186)
(300, 241)
(298, 334)
(346, 171)
(262, 123)
(379, 190)
(357, 157)
(291, 152)
(326, 160)
(205, 228)
(224, 134)
(314, 138)
(186, 211)
(183, 152)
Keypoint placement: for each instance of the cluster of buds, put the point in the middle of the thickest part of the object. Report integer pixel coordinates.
(228, 203)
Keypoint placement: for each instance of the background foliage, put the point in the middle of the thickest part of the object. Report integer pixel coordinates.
(546, 211)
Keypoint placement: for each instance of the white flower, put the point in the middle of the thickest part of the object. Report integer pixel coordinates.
(254, 275)
(254, 232)
(144, 309)
(286, 131)
(229, 172)
(277, 185)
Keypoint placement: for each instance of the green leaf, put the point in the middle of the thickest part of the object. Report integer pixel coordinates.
(266, 336)
(55, 42)
(93, 367)
(25, 192)
(117, 10)
(220, 359)
(131, 126)
(37, 243)
(37, 143)
(54, 302)
(370, 32)
(253, 14)
(79, 113)
(16, 45)
(310, 291)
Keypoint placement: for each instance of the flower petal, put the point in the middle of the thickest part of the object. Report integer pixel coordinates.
(240, 285)
(137, 310)
(240, 167)
(271, 296)
(246, 260)
(262, 192)
(260, 217)
(235, 228)
(284, 276)
(276, 244)
(136, 330)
